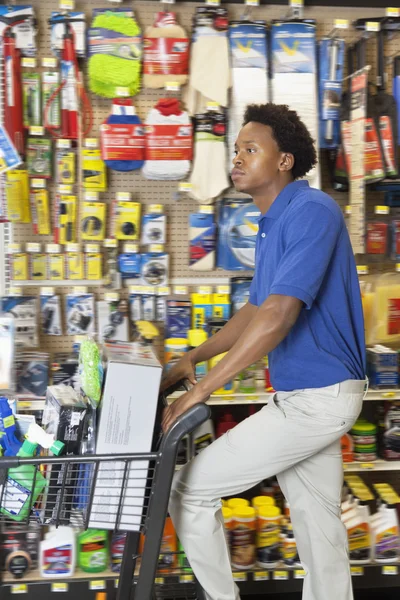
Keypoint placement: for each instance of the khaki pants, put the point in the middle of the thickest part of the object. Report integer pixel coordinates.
(296, 437)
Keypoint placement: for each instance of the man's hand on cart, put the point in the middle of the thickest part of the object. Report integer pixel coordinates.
(183, 369)
(180, 406)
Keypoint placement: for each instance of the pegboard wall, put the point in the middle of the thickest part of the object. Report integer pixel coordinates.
(164, 192)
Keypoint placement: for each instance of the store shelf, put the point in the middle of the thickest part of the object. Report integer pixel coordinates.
(63, 283)
(35, 577)
(377, 465)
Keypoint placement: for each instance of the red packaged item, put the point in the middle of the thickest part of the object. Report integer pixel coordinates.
(377, 238)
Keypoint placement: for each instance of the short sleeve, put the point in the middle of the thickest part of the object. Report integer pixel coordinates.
(310, 240)
(253, 291)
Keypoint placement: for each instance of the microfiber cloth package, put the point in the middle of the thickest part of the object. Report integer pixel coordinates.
(122, 137)
(115, 50)
(238, 227)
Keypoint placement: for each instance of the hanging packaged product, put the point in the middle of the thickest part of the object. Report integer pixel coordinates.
(394, 240)
(135, 303)
(113, 320)
(154, 225)
(221, 303)
(178, 318)
(377, 239)
(50, 312)
(396, 91)
(39, 200)
(23, 21)
(249, 62)
(39, 157)
(19, 263)
(148, 303)
(169, 141)
(240, 292)
(74, 262)
(65, 167)
(94, 170)
(161, 303)
(202, 239)
(31, 98)
(112, 279)
(238, 227)
(7, 345)
(122, 137)
(93, 262)
(382, 367)
(12, 112)
(129, 264)
(77, 23)
(80, 313)
(165, 52)
(23, 310)
(154, 267)
(37, 261)
(67, 208)
(50, 84)
(331, 63)
(294, 75)
(55, 262)
(17, 196)
(210, 79)
(202, 308)
(9, 157)
(115, 52)
(126, 220)
(209, 176)
(93, 221)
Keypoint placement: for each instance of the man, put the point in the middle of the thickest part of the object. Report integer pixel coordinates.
(305, 312)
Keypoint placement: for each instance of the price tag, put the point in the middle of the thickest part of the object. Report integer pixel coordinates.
(67, 4)
(64, 144)
(388, 394)
(180, 290)
(204, 289)
(47, 291)
(116, 583)
(59, 587)
(72, 247)
(213, 2)
(148, 289)
(392, 12)
(28, 63)
(172, 86)
(38, 184)
(157, 248)
(299, 574)
(372, 26)
(91, 196)
(110, 243)
(223, 289)
(186, 578)
(124, 196)
(19, 588)
(91, 143)
(344, 466)
(36, 130)
(368, 466)
(130, 248)
(398, 267)
(185, 186)
(362, 269)
(260, 576)
(135, 289)
(163, 291)
(240, 576)
(92, 248)
(78, 339)
(390, 570)
(206, 210)
(212, 105)
(252, 2)
(111, 297)
(65, 190)
(122, 92)
(78, 290)
(167, 1)
(281, 575)
(49, 62)
(159, 581)
(347, 210)
(33, 247)
(341, 24)
(52, 248)
(14, 248)
(296, 3)
(382, 210)
(97, 584)
(15, 291)
(357, 571)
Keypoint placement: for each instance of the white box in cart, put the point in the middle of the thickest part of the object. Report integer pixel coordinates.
(126, 426)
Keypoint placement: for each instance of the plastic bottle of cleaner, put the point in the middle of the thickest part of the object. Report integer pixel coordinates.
(196, 337)
(225, 423)
(227, 513)
(359, 535)
(268, 535)
(243, 537)
(57, 553)
(18, 495)
(93, 553)
(8, 438)
(289, 549)
(386, 535)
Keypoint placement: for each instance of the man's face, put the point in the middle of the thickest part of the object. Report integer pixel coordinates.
(257, 159)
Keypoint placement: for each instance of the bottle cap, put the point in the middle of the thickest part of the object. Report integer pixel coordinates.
(260, 501)
(244, 512)
(269, 511)
(57, 448)
(234, 502)
(28, 448)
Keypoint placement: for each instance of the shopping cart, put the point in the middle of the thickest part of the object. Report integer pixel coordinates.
(124, 492)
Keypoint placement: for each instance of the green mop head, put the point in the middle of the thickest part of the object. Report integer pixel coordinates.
(91, 370)
(108, 72)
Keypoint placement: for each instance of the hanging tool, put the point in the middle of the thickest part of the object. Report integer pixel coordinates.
(74, 100)
(342, 162)
(333, 68)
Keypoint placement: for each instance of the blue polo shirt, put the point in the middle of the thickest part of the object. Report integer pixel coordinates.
(303, 250)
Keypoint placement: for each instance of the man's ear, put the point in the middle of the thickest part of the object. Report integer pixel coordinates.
(287, 162)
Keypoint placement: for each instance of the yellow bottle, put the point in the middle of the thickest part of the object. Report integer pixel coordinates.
(229, 386)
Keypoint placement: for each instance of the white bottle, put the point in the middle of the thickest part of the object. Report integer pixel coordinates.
(57, 554)
(359, 536)
(386, 535)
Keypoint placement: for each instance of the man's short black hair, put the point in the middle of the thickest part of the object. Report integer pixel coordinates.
(289, 132)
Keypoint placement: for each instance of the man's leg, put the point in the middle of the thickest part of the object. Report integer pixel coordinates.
(278, 437)
(313, 489)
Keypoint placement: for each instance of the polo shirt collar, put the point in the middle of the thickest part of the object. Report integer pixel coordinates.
(283, 199)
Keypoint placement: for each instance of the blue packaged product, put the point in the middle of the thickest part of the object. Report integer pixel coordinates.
(202, 240)
(383, 367)
(8, 438)
(240, 292)
(80, 314)
(154, 268)
(331, 60)
(129, 265)
(238, 227)
(248, 44)
(178, 318)
(153, 229)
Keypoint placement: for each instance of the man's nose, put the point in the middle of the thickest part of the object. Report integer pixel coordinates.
(237, 161)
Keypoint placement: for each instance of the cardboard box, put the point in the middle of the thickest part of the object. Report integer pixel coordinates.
(126, 426)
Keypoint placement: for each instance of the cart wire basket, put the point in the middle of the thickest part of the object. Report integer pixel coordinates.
(124, 492)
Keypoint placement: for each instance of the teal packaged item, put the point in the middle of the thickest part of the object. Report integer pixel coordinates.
(331, 61)
(23, 486)
(238, 228)
(93, 551)
(8, 439)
